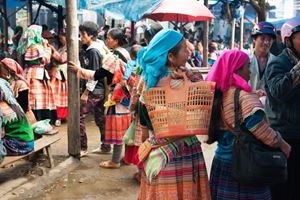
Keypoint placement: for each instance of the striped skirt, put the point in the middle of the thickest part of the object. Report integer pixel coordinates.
(224, 187)
(183, 178)
(116, 126)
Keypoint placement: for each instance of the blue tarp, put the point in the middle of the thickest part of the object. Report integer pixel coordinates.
(121, 9)
(14, 4)
(126, 9)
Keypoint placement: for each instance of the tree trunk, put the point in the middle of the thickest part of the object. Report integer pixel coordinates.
(260, 8)
(73, 82)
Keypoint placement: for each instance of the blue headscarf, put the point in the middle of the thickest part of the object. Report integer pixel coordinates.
(153, 58)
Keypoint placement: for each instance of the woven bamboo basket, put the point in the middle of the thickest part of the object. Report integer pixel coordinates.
(180, 112)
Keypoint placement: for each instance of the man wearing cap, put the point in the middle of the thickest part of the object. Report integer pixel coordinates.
(263, 36)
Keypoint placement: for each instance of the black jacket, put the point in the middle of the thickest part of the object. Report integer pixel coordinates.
(93, 60)
(283, 99)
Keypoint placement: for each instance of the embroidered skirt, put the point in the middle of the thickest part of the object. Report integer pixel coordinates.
(116, 126)
(15, 147)
(184, 177)
(223, 186)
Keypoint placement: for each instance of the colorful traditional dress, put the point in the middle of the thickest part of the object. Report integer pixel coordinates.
(174, 169)
(19, 85)
(230, 72)
(118, 117)
(223, 185)
(59, 83)
(41, 98)
(18, 135)
(35, 55)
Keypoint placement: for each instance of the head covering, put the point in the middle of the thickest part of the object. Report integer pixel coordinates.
(32, 35)
(153, 58)
(223, 71)
(290, 27)
(15, 67)
(34, 52)
(264, 28)
(7, 96)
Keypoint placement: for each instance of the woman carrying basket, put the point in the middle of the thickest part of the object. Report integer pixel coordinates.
(173, 168)
(231, 71)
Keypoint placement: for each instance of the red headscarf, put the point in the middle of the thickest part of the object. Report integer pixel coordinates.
(15, 67)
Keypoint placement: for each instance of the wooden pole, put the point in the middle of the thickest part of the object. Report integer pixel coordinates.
(5, 28)
(73, 82)
(205, 39)
(60, 18)
(132, 31)
(242, 28)
(29, 12)
(232, 33)
(242, 32)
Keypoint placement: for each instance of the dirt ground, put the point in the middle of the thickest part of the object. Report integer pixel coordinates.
(89, 181)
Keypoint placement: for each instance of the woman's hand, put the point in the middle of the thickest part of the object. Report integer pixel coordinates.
(73, 66)
(260, 93)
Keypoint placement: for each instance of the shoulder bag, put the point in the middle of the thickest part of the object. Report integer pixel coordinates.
(253, 162)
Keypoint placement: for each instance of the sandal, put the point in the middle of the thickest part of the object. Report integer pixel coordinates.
(109, 165)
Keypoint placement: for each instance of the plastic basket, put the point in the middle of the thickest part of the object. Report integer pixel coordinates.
(180, 112)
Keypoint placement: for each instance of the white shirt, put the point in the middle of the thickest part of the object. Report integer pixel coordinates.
(256, 81)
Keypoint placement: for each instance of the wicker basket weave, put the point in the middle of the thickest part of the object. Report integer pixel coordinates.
(184, 111)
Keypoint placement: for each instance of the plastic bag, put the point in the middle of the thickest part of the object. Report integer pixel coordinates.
(42, 127)
(129, 135)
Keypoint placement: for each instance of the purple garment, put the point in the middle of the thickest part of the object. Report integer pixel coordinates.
(15, 147)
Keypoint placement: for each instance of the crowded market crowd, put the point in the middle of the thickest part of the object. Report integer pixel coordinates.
(262, 85)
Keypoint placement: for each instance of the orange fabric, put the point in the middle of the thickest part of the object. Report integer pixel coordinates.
(115, 128)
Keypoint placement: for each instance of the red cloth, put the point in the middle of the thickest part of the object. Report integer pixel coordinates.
(62, 112)
(131, 155)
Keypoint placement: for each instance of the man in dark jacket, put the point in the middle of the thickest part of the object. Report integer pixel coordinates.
(283, 105)
(93, 92)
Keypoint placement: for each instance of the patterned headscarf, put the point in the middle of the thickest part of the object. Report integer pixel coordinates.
(153, 58)
(32, 35)
(224, 70)
(15, 67)
(6, 95)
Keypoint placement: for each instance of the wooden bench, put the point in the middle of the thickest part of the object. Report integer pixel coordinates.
(41, 143)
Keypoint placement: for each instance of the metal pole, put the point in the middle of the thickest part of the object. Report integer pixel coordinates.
(73, 82)
(205, 39)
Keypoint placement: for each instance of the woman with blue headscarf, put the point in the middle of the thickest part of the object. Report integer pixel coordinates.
(175, 168)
